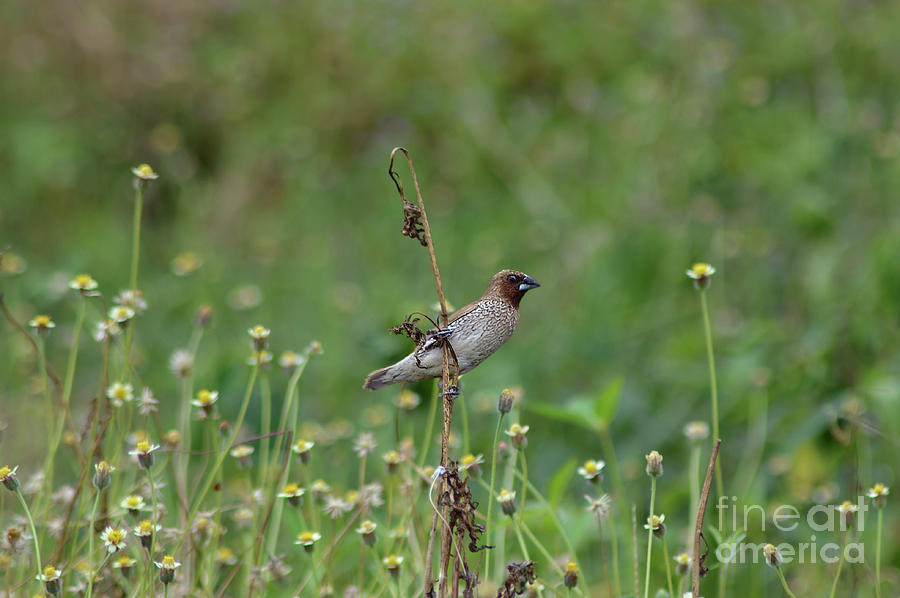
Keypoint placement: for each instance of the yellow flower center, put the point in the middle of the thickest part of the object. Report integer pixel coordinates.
(133, 501)
(505, 495)
(683, 558)
(146, 527)
(42, 321)
(392, 457)
(50, 571)
(145, 170)
(351, 496)
(468, 459)
(700, 269)
(259, 331)
(302, 446)
(291, 488)
(205, 397)
(143, 446)
(116, 536)
(515, 429)
(225, 554)
(590, 467)
(571, 567)
(168, 561)
(306, 536)
(366, 527)
(83, 280)
(392, 561)
(120, 392)
(125, 561)
(878, 488)
(5, 471)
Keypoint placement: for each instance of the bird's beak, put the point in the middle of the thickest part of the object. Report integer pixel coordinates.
(528, 283)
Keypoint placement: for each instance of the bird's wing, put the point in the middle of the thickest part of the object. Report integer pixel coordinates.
(435, 335)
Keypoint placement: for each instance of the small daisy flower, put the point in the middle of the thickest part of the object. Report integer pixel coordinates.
(145, 530)
(517, 437)
(407, 400)
(83, 283)
(147, 402)
(172, 439)
(570, 575)
(507, 501)
(50, 577)
(592, 470)
(185, 263)
(102, 471)
(293, 493)
(42, 323)
(600, 507)
(308, 540)
(121, 314)
(847, 511)
(302, 448)
(773, 558)
(120, 393)
(144, 452)
(134, 504)
(124, 563)
(262, 357)
(682, 563)
(700, 274)
(226, 556)
(114, 538)
(696, 431)
(205, 400)
(106, 330)
(144, 174)
(167, 568)
(181, 363)
(654, 464)
(364, 444)
(290, 360)
(259, 336)
(243, 453)
(655, 523)
(319, 489)
(392, 563)
(367, 530)
(471, 464)
(392, 461)
(878, 493)
(8, 477)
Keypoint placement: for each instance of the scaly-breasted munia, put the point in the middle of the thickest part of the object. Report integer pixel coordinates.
(474, 332)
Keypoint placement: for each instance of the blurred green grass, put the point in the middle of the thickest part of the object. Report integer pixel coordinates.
(600, 147)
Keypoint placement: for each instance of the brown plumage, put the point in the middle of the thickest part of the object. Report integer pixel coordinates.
(475, 332)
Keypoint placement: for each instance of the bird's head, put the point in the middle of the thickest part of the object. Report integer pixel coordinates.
(510, 285)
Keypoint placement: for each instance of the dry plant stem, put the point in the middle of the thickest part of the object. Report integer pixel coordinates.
(445, 374)
(701, 511)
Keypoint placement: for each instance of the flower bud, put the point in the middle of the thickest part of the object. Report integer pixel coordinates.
(654, 464)
(101, 475)
(570, 577)
(505, 403)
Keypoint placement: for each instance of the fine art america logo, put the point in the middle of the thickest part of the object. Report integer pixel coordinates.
(847, 519)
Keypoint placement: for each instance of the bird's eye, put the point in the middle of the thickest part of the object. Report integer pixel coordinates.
(512, 278)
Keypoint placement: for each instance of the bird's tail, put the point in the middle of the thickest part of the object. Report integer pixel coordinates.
(381, 378)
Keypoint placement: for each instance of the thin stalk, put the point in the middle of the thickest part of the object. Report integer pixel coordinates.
(784, 582)
(650, 536)
(220, 459)
(878, 553)
(668, 567)
(837, 574)
(487, 522)
(37, 547)
(524, 486)
(153, 527)
(710, 358)
(615, 552)
(91, 534)
(694, 483)
(429, 429)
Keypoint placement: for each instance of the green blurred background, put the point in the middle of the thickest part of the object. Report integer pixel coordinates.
(601, 147)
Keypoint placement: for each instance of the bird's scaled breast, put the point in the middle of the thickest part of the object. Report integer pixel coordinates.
(482, 331)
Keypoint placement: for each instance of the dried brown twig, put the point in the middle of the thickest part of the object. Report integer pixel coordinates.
(698, 530)
(415, 226)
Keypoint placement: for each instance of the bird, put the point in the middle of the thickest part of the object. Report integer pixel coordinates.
(474, 331)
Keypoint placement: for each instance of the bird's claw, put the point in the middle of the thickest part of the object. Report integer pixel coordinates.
(452, 392)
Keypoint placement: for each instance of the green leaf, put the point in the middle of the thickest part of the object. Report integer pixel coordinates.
(573, 413)
(560, 481)
(607, 402)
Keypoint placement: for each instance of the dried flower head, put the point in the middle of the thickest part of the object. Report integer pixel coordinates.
(102, 471)
(773, 558)
(600, 507)
(364, 444)
(181, 363)
(696, 431)
(507, 501)
(654, 464)
(147, 402)
(505, 402)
